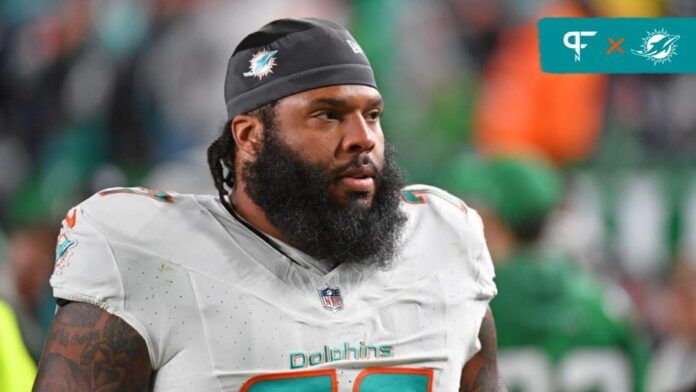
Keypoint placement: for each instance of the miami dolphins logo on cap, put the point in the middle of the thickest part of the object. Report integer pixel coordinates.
(261, 63)
(659, 46)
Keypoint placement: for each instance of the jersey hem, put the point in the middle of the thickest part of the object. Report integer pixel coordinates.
(61, 292)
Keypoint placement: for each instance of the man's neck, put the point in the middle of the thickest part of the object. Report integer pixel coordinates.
(253, 214)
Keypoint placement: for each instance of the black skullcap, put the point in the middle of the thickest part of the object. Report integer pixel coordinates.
(288, 56)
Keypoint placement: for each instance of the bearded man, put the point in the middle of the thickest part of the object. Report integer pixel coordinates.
(314, 269)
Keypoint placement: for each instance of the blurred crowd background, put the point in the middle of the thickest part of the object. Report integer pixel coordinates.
(587, 183)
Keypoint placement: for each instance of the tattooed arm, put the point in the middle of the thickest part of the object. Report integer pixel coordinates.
(89, 349)
(480, 374)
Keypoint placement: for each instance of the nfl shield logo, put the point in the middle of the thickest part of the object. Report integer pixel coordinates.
(331, 298)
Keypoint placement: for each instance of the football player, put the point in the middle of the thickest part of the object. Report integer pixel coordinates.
(314, 269)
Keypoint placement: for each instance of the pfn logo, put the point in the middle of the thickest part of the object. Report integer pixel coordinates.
(576, 43)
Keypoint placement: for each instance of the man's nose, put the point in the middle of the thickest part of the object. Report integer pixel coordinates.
(360, 136)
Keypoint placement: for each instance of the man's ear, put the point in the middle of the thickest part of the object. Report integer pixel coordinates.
(247, 133)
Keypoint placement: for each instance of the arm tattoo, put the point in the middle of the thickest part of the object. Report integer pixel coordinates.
(480, 374)
(88, 349)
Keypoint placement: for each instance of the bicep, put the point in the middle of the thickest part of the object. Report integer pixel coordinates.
(90, 349)
(481, 372)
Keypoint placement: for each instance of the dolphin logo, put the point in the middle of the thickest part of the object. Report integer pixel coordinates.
(658, 47)
(63, 249)
(261, 64)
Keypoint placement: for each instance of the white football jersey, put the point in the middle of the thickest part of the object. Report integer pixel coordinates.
(220, 308)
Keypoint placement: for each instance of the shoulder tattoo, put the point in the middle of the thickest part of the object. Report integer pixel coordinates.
(90, 349)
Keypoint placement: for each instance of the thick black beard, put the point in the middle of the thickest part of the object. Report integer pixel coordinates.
(295, 197)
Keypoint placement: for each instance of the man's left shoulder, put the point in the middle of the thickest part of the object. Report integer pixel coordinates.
(449, 234)
(450, 212)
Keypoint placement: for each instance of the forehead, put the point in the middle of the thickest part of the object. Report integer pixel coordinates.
(345, 95)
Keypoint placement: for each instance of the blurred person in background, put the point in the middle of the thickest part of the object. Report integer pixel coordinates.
(524, 110)
(557, 328)
(30, 258)
(17, 369)
(673, 367)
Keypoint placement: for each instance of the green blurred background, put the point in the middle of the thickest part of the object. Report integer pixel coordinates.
(586, 183)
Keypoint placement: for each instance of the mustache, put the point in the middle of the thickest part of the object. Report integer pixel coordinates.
(358, 161)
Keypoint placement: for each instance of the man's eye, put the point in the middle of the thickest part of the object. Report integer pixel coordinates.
(374, 115)
(329, 115)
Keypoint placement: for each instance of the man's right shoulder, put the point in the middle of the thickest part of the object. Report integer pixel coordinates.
(122, 203)
(92, 233)
(123, 212)
(106, 238)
